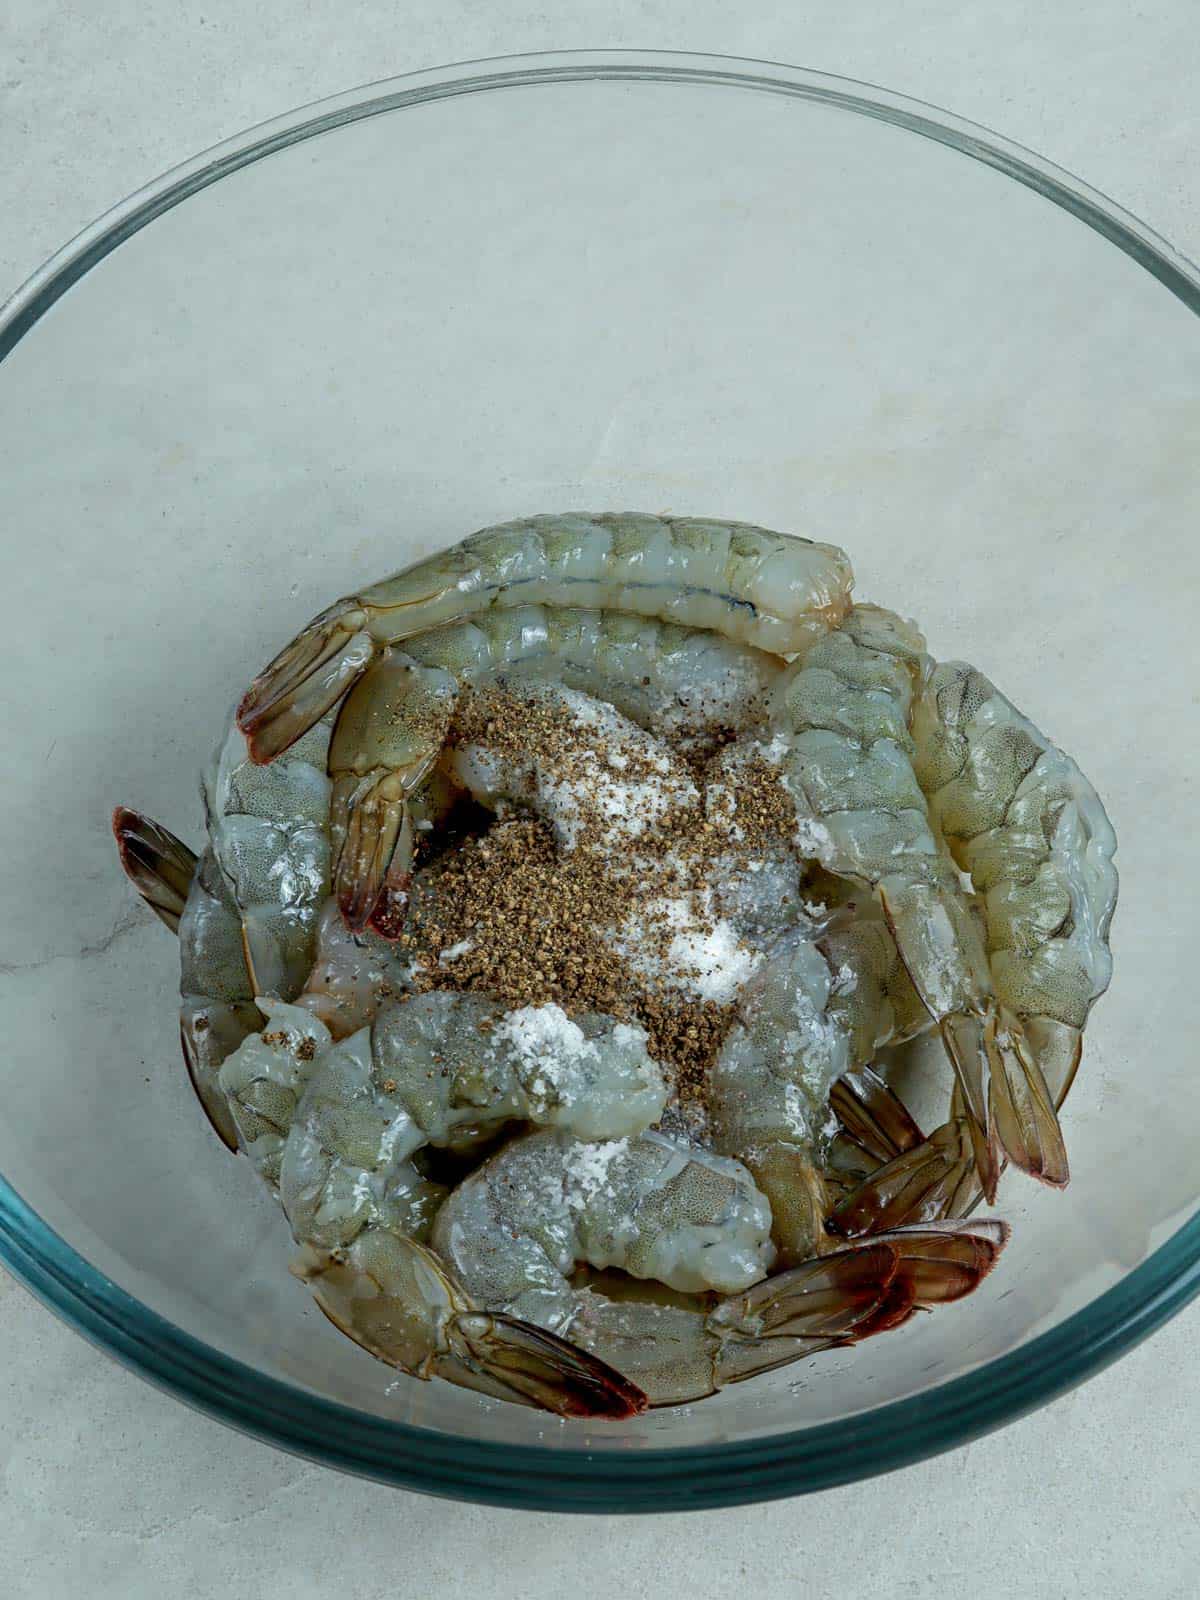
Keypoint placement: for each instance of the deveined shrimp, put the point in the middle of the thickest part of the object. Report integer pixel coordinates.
(426, 1070)
(267, 830)
(1027, 825)
(761, 588)
(688, 684)
(1021, 818)
(513, 1231)
(397, 1299)
(353, 974)
(840, 717)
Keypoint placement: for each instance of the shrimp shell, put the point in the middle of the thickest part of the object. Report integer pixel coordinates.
(768, 589)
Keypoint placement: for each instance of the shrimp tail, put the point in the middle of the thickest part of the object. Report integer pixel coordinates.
(948, 1261)
(1022, 1108)
(853, 1294)
(827, 1297)
(538, 1368)
(965, 1037)
(305, 679)
(873, 1116)
(920, 1185)
(159, 865)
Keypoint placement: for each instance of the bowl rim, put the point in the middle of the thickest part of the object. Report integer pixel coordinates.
(653, 1478)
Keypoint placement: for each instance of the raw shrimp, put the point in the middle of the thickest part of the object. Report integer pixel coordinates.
(264, 1078)
(267, 829)
(190, 896)
(386, 1287)
(423, 1072)
(437, 1065)
(1027, 825)
(515, 1228)
(840, 719)
(766, 589)
(678, 1352)
(352, 975)
(687, 684)
(820, 1006)
(513, 1231)
(1021, 818)
(396, 1299)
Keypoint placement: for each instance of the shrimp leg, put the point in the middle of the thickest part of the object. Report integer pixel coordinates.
(762, 588)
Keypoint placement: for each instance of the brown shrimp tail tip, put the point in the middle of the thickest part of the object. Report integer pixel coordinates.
(873, 1115)
(948, 1261)
(543, 1370)
(923, 1184)
(159, 865)
(1022, 1109)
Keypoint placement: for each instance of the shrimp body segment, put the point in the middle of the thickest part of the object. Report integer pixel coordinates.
(190, 895)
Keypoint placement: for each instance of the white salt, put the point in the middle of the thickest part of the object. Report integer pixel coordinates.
(544, 1038)
(455, 951)
(586, 1170)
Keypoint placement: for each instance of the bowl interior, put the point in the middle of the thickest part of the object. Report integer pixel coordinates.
(659, 293)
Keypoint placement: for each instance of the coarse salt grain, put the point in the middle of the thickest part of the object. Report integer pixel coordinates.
(544, 1038)
(586, 1170)
(455, 952)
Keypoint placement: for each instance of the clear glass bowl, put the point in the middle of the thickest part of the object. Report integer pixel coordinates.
(602, 281)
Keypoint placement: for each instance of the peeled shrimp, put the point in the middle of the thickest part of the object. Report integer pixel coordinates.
(1022, 819)
(513, 1231)
(437, 1065)
(267, 829)
(840, 718)
(352, 974)
(766, 589)
(1027, 825)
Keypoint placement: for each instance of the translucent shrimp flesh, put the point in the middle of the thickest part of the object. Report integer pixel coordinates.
(513, 1231)
(841, 740)
(760, 588)
(816, 1010)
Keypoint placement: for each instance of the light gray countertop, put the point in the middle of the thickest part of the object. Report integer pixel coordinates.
(110, 1489)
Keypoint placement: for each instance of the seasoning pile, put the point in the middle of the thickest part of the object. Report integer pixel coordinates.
(609, 899)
